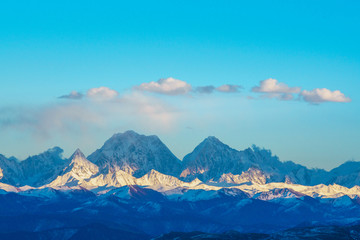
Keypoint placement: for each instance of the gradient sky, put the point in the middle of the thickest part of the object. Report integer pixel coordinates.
(50, 48)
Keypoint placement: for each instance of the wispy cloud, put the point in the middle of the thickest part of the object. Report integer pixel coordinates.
(205, 89)
(320, 95)
(73, 95)
(134, 109)
(229, 88)
(43, 120)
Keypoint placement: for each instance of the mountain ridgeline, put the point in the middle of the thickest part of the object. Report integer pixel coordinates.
(128, 156)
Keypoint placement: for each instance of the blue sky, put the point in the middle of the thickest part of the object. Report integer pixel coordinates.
(49, 49)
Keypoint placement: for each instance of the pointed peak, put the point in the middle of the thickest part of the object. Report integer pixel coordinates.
(78, 151)
(77, 154)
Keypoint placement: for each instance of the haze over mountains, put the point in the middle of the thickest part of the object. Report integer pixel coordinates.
(136, 155)
(134, 185)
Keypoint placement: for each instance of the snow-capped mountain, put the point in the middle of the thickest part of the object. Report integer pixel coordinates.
(213, 160)
(210, 159)
(135, 181)
(128, 156)
(135, 154)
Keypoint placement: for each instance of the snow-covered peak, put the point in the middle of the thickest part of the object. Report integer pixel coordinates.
(81, 167)
(209, 160)
(135, 154)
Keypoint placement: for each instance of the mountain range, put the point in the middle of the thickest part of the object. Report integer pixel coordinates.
(136, 155)
(135, 185)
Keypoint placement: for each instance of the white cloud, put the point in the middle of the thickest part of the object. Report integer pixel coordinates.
(229, 88)
(319, 95)
(273, 86)
(73, 95)
(102, 93)
(168, 86)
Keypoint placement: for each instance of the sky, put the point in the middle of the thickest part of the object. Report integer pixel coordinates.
(283, 75)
